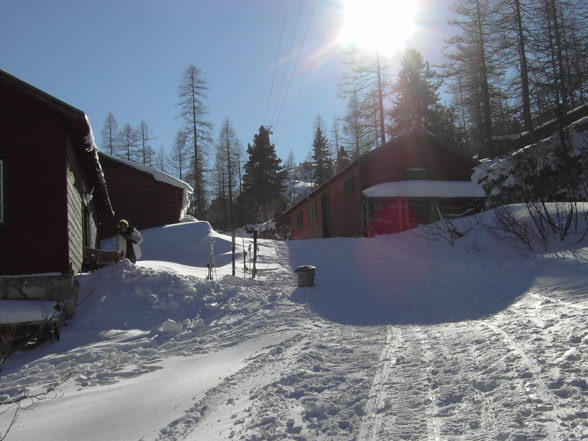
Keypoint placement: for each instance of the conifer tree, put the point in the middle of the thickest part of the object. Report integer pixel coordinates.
(263, 181)
(357, 128)
(228, 147)
(145, 135)
(473, 59)
(366, 85)
(109, 135)
(416, 95)
(320, 154)
(192, 94)
(128, 140)
(416, 103)
(180, 154)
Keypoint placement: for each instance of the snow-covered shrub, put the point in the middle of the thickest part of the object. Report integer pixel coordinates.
(546, 171)
(538, 223)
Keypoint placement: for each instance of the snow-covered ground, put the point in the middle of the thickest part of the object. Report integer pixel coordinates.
(403, 337)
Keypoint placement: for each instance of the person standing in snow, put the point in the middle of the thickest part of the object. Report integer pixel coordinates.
(128, 240)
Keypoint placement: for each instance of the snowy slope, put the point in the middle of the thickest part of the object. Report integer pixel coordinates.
(402, 337)
(512, 177)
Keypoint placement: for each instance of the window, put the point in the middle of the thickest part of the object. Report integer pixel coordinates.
(2, 193)
(312, 209)
(298, 219)
(416, 173)
(348, 185)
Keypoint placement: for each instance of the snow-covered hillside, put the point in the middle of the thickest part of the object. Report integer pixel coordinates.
(299, 183)
(403, 337)
(545, 170)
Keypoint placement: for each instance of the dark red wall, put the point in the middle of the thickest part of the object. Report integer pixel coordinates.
(345, 208)
(138, 197)
(418, 151)
(385, 164)
(32, 144)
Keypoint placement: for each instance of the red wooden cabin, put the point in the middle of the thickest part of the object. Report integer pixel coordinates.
(350, 203)
(53, 196)
(145, 196)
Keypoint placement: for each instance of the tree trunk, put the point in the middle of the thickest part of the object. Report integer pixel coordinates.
(526, 96)
(484, 87)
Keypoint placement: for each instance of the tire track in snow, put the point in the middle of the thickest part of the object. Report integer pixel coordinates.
(433, 421)
(369, 425)
(542, 391)
(399, 407)
(473, 398)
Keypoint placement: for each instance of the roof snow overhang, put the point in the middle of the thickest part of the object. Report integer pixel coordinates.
(156, 174)
(79, 125)
(425, 189)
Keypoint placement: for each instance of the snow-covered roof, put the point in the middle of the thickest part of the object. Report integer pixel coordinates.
(425, 189)
(157, 175)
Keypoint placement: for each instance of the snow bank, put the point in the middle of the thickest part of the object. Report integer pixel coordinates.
(186, 243)
(513, 177)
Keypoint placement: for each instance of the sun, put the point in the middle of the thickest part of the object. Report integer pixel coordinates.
(382, 26)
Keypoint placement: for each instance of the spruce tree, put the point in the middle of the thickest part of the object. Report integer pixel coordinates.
(320, 155)
(415, 95)
(263, 181)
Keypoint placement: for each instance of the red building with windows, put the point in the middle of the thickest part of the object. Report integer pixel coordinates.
(409, 181)
(53, 195)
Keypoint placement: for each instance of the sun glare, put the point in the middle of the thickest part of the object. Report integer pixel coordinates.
(378, 25)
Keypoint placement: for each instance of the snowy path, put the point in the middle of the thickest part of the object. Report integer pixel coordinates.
(263, 363)
(469, 380)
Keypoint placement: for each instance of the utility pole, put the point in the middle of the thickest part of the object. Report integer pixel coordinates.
(232, 219)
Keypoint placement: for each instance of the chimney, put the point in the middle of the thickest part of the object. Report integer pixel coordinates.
(342, 159)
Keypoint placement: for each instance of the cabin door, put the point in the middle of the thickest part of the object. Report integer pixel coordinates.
(326, 214)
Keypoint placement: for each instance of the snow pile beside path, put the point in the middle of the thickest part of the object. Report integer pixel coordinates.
(186, 243)
(127, 296)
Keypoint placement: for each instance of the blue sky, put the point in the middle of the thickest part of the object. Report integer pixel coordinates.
(127, 57)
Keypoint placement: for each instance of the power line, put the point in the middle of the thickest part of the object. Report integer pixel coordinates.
(276, 61)
(279, 95)
(293, 74)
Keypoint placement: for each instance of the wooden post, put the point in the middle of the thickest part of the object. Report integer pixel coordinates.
(254, 270)
(233, 250)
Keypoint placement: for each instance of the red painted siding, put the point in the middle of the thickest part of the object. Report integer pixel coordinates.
(138, 197)
(346, 206)
(389, 163)
(32, 143)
